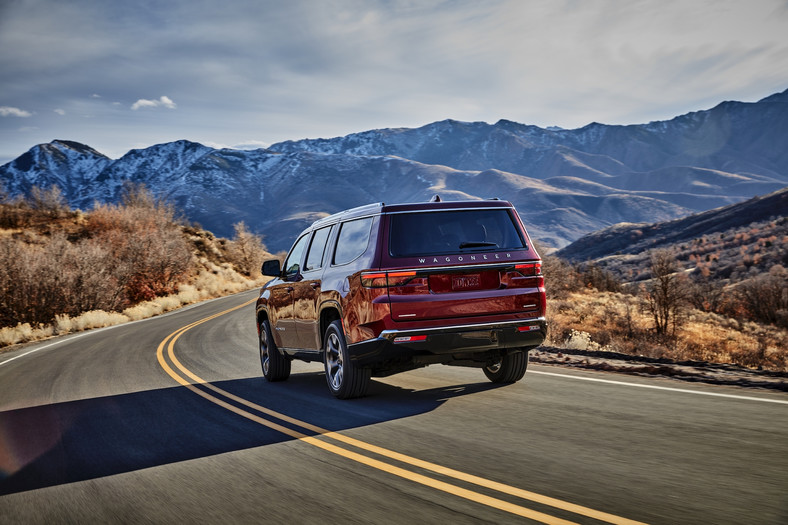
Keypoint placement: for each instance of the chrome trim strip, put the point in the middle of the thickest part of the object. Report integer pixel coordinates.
(486, 266)
(391, 334)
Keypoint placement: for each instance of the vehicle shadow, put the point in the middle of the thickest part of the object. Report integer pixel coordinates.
(62, 443)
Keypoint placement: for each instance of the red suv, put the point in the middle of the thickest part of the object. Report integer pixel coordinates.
(383, 289)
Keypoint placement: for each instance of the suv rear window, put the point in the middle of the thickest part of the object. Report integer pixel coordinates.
(429, 233)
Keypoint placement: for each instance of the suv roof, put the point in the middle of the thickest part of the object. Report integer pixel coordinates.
(381, 207)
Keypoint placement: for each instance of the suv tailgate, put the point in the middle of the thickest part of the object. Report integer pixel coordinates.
(442, 293)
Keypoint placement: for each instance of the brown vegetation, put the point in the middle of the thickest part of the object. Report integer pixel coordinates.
(670, 315)
(65, 270)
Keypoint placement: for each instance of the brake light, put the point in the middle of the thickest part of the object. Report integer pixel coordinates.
(373, 280)
(400, 278)
(383, 279)
(529, 269)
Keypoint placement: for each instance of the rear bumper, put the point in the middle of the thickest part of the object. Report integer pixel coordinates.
(401, 344)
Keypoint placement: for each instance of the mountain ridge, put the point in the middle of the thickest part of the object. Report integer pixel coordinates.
(564, 183)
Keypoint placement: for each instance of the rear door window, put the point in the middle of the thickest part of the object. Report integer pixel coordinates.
(440, 232)
(314, 259)
(353, 240)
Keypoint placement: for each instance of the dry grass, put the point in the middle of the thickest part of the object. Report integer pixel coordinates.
(208, 285)
(66, 271)
(608, 321)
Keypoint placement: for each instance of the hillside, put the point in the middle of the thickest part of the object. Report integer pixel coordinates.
(66, 270)
(763, 219)
(565, 183)
(726, 245)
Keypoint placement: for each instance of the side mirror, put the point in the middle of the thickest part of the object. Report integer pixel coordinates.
(272, 268)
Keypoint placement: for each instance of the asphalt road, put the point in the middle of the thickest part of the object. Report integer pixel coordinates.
(167, 421)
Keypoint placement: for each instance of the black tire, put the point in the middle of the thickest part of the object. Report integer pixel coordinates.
(276, 367)
(345, 380)
(510, 369)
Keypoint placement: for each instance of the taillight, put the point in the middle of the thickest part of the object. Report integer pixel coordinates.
(529, 269)
(383, 279)
(373, 280)
(523, 275)
(400, 278)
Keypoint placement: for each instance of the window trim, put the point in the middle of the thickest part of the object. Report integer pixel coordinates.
(288, 276)
(339, 235)
(325, 249)
(512, 218)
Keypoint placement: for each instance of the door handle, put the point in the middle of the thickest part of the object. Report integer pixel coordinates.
(289, 289)
(314, 285)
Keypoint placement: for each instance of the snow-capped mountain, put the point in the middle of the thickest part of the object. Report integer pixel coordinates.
(733, 144)
(565, 183)
(70, 165)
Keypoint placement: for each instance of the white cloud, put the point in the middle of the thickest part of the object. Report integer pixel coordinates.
(60, 112)
(163, 101)
(7, 111)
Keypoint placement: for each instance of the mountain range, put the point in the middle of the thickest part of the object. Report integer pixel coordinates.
(564, 183)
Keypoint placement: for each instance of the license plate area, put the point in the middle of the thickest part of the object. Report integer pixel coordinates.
(464, 281)
(468, 281)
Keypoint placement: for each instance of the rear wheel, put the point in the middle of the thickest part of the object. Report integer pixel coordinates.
(344, 378)
(509, 369)
(276, 367)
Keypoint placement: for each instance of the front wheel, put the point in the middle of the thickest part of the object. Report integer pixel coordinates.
(510, 368)
(345, 379)
(276, 367)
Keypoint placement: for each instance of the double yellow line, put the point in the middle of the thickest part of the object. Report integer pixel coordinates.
(206, 390)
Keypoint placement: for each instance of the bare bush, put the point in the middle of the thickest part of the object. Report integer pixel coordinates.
(592, 276)
(561, 277)
(49, 201)
(40, 281)
(706, 294)
(246, 250)
(765, 298)
(665, 293)
(146, 243)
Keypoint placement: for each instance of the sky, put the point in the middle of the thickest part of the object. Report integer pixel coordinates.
(248, 73)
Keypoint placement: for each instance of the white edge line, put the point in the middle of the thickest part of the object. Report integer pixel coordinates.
(71, 337)
(654, 387)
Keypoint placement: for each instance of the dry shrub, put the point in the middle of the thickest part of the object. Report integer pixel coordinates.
(146, 242)
(152, 308)
(87, 320)
(66, 273)
(765, 297)
(39, 281)
(246, 251)
(50, 201)
(23, 332)
(614, 322)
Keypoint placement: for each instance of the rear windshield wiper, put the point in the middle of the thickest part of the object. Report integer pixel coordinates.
(478, 244)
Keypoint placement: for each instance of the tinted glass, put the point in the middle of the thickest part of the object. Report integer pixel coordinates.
(293, 261)
(353, 240)
(314, 259)
(429, 233)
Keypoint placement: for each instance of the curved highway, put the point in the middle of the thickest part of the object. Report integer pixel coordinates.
(168, 420)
